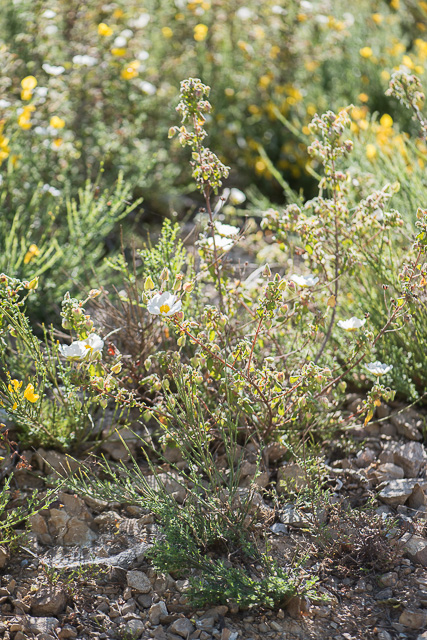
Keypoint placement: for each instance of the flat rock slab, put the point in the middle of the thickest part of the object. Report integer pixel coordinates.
(398, 491)
(77, 557)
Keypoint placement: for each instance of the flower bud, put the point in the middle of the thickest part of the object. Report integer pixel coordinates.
(33, 284)
(117, 368)
(164, 276)
(93, 293)
(188, 287)
(148, 284)
(266, 271)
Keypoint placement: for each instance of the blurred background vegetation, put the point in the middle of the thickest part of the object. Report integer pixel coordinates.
(88, 92)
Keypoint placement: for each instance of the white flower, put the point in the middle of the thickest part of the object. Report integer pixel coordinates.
(143, 55)
(52, 70)
(237, 196)
(222, 237)
(93, 343)
(120, 41)
(351, 325)
(80, 349)
(41, 92)
(244, 13)
(74, 351)
(49, 14)
(51, 29)
(142, 21)
(305, 281)
(127, 33)
(85, 60)
(52, 190)
(147, 87)
(377, 368)
(226, 229)
(4, 104)
(164, 304)
(378, 215)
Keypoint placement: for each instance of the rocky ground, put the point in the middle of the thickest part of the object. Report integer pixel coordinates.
(82, 571)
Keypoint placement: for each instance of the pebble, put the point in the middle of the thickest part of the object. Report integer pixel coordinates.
(182, 627)
(138, 581)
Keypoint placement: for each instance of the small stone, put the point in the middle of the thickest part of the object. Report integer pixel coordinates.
(206, 623)
(388, 471)
(397, 491)
(4, 556)
(133, 629)
(279, 528)
(384, 635)
(408, 424)
(416, 548)
(416, 619)
(48, 601)
(42, 625)
(157, 610)
(297, 606)
(290, 478)
(182, 627)
(290, 515)
(138, 581)
(389, 579)
(144, 601)
(365, 457)
(412, 457)
(385, 594)
(418, 498)
(276, 626)
(67, 632)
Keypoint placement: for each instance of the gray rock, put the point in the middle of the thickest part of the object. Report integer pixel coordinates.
(279, 528)
(182, 627)
(157, 610)
(417, 498)
(365, 457)
(412, 457)
(406, 425)
(67, 632)
(416, 548)
(206, 623)
(138, 581)
(385, 594)
(48, 601)
(416, 619)
(290, 515)
(397, 491)
(388, 471)
(133, 629)
(290, 478)
(4, 557)
(389, 579)
(41, 625)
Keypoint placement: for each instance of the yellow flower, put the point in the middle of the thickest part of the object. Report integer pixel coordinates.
(117, 14)
(366, 52)
(131, 70)
(395, 4)
(14, 386)
(104, 29)
(32, 252)
(406, 60)
(385, 75)
(363, 97)
(26, 94)
(29, 83)
(15, 404)
(118, 51)
(386, 120)
(274, 51)
(371, 151)
(57, 123)
(377, 18)
(200, 32)
(167, 32)
(57, 142)
(30, 395)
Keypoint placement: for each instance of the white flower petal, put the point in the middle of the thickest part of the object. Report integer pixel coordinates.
(305, 281)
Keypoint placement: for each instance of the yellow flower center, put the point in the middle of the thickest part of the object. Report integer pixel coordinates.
(165, 308)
